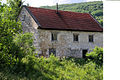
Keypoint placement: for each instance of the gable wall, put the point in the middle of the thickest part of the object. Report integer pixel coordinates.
(65, 46)
(29, 25)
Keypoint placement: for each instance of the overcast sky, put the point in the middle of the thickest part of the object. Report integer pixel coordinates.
(38, 3)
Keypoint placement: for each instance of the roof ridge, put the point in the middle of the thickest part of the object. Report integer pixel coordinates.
(58, 10)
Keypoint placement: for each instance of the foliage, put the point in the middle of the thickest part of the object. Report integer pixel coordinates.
(8, 28)
(96, 56)
(15, 5)
(13, 44)
(24, 43)
(94, 8)
(97, 13)
(78, 61)
(53, 68)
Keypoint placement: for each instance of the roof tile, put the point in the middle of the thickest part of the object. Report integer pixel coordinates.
(65, 20)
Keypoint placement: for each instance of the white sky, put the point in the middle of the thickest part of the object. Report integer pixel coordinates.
(38, 3)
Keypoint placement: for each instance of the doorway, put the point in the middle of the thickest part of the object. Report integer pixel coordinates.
(84, 51)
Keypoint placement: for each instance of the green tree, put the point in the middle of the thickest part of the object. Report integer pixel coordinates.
(11, 36)
(15, 5)
(8, 28)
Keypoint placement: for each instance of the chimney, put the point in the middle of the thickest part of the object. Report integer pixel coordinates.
(57, 8)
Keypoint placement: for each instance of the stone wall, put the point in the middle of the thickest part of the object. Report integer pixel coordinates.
(65, 46)
(29, 25)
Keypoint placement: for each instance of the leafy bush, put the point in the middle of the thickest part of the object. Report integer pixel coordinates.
(53, 68)
(24, 43)
(78, 61)
(13, 44)
(96, 56)
(8, 27)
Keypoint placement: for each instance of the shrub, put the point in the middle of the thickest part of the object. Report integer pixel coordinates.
(96, 56)
(53, 68)
(25, 44)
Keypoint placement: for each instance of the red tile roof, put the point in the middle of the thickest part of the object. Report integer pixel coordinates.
(65, 20)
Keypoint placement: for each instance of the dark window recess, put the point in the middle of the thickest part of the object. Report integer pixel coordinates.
(90, 38)
(23, 19)
(52, 51)
(54, 37)
(84, 53)
(75, 37)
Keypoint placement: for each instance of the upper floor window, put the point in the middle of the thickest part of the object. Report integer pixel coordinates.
(75, 37)
(91, 38)
(23, 17)
(54, 36)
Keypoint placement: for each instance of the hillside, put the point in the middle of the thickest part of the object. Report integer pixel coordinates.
(94, 8)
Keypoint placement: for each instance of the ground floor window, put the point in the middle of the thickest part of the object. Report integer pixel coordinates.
(52, 51)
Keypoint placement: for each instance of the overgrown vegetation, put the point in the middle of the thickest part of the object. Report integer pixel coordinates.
(8, 28)
(18, 61)
(94, 8)
(53, 69)
(96, 56)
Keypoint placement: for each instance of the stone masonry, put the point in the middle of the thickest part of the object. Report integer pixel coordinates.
(64, 45)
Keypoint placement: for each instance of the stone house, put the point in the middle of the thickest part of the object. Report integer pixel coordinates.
(62, 33)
